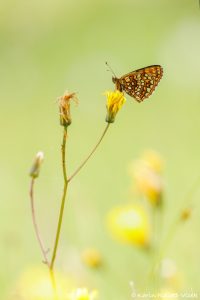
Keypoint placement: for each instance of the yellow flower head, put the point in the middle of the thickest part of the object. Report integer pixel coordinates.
(170, 275)
(148, 182)
(83, 294)
(146, 173)
(168, 268)
(153, 160)
(130, 224)
(64, 108)
(92, 258)
(34, 284)
(115, 101)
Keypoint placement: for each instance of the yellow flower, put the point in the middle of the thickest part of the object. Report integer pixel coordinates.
(91, 257)
(153, 160)
(168, 268)
(130, 224)
(115, 101)
(82, 294)
(149, 183)
(64, 108)
(35, 284)
(146, 173)
(35, 169)
(170, 274)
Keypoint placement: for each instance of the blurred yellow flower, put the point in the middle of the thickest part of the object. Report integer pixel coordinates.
(82, 294)
(130, 224)
(168, 268)
(115, 101)
(153, 160)
(35, 284)
(146, 173)
(148, 183)
(92, 257)
(170, 275)
(186, 214)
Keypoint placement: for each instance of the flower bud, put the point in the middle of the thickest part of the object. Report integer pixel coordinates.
(35, 169)
(92, 258)
(186, 214)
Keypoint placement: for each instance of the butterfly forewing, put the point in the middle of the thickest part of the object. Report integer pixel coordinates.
(141, 83)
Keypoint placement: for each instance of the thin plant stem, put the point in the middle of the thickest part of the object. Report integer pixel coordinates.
(41, 244)
(91, 153)
(175, 224)
(40, 241)
(153, 279)
(53, 282)
(187, 203)
(63, 150)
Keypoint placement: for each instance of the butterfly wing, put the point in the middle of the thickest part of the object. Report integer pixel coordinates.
(141, 83)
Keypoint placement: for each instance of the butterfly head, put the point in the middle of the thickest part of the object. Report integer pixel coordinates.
(114, 79)
(117, 83)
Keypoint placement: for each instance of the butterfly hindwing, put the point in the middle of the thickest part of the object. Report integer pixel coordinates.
(141, 83)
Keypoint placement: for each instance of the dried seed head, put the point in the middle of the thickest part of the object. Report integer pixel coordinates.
(64, 108)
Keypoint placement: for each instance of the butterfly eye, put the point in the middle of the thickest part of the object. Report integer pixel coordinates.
(114, 79)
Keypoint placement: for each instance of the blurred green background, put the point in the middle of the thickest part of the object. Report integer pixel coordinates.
(50, 46)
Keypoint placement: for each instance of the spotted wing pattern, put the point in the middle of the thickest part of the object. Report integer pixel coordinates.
(141, 83)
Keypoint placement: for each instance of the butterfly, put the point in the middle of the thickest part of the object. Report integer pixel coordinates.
(140, 83)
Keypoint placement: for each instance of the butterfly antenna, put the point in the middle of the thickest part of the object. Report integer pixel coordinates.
(110, 69)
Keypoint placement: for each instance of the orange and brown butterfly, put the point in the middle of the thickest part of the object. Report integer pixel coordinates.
(140, 83)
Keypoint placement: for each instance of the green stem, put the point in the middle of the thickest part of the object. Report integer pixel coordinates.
(174, 226)
(91, 153)
(41, 244)
(62, 201)
(153, 279)
(53, 283)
